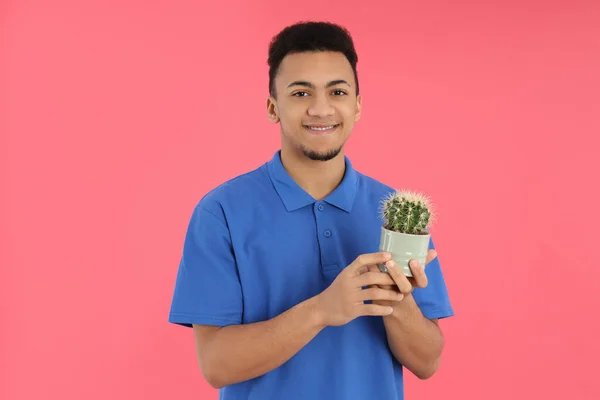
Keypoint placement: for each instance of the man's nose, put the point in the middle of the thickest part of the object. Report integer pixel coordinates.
(321, 106)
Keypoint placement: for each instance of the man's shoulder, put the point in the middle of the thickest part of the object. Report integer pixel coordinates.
(373, 185)
(236, 190)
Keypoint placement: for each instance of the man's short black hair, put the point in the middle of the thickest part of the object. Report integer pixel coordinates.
(310, 36)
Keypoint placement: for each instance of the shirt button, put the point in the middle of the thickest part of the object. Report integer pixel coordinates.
(320, 207)
(327, 233)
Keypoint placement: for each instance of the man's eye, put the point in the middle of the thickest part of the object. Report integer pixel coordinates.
(337, 92)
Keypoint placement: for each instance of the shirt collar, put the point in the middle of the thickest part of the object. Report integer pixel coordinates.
(294, 197)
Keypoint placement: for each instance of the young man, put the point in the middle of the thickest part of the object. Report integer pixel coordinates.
(278, 276)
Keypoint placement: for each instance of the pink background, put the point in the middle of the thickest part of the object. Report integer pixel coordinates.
(116, 117)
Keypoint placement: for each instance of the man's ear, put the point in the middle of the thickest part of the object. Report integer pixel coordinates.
(272, 112)
(358, 112)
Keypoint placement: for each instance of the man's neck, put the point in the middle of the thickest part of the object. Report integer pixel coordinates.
(317, 178)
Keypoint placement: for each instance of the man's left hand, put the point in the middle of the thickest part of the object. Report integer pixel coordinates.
(403, 283)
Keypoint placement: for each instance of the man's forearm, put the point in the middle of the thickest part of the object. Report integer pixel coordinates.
(415, 341)
(237, 353)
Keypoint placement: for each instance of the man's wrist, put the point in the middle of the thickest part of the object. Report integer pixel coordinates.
(316, 317)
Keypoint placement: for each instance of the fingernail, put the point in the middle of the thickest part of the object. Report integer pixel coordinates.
(391, 264)
(414, 263)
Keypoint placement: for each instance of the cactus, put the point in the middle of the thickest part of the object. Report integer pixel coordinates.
(407, 212)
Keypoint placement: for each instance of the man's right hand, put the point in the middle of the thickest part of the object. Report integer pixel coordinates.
(344, 299)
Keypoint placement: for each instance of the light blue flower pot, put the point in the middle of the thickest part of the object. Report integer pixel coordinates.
(404, 247)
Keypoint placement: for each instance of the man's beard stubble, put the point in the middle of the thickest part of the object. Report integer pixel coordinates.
(321, 156)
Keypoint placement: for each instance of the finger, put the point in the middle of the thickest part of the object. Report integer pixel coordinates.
(431, 255)
(418, 272)
(362, 270)
(379, 294)
(367, 259)
(375, 268)
(373, 278)
(374, 310)
(399, 278)
(386, 287)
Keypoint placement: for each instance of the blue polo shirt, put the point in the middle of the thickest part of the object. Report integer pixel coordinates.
(258, 245)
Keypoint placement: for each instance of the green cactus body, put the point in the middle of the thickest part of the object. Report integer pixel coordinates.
(407, 212)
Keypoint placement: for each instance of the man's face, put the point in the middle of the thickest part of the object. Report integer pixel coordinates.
(316, 103)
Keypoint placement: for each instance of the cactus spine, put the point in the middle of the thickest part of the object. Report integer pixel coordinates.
(407, 212)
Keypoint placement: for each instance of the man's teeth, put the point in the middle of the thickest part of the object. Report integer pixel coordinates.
(324, 128)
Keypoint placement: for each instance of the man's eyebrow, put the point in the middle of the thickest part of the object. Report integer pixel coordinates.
(310, 85)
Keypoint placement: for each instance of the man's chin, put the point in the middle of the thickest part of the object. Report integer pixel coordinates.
(321, 155)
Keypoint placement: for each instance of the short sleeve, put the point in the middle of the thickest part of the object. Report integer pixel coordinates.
(433, 300)
(207, 288)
